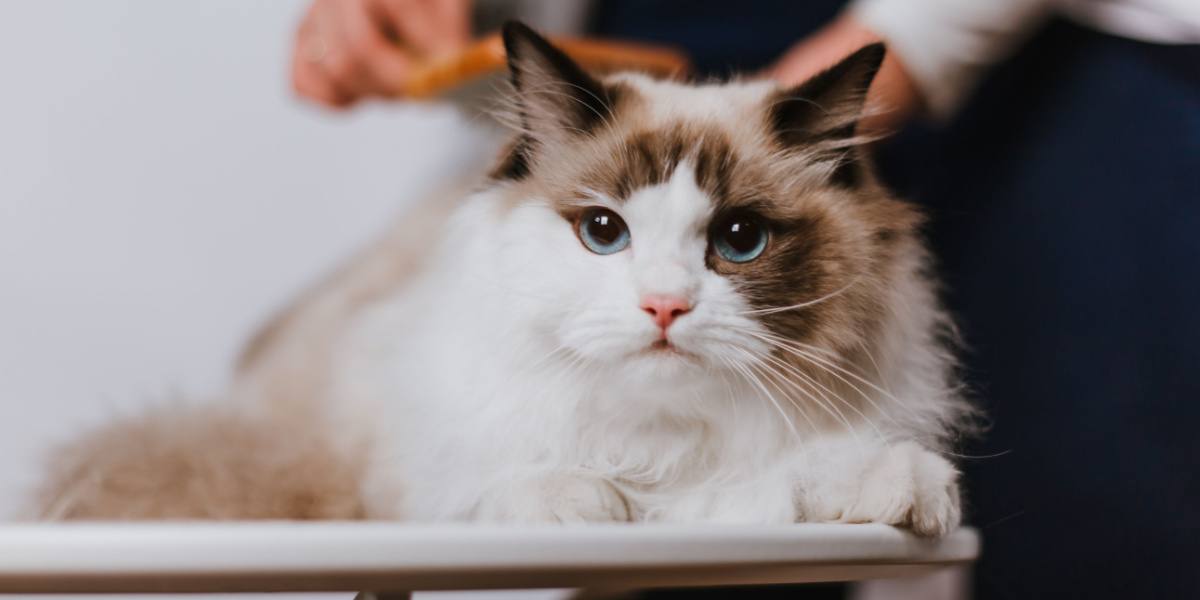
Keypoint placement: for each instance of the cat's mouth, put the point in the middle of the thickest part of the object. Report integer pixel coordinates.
(664, 348)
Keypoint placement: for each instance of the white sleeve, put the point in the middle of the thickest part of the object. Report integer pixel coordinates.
(945, 45)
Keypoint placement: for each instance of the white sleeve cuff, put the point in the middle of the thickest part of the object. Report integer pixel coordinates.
(946, 45)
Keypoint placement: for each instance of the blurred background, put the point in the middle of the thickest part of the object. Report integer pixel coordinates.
(162, 191)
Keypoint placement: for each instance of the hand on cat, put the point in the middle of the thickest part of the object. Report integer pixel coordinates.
(349, 50)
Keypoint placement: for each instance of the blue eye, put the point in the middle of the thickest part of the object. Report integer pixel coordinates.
(740, 238)
(602, 231)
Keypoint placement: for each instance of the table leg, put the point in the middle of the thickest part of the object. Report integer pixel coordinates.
(383, 596)
(953, 583)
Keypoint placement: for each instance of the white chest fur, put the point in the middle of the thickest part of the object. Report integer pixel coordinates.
(464, 392)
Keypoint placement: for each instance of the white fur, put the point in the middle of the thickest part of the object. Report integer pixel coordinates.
(508, 380)
(506, 383)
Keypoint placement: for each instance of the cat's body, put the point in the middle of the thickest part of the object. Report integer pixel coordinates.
(493, 359)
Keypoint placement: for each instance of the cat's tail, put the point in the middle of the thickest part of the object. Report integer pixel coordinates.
(201, 462)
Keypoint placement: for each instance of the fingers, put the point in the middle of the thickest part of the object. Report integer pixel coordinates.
(365, 60)
(429, 27)
(315, 42)
(310, 82)
(455, 16)
(412, 24)
(347, 50)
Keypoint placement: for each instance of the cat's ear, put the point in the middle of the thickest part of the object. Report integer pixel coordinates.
(825, 110)
(555, 95)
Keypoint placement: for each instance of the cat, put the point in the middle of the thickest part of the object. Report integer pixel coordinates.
(683, 302)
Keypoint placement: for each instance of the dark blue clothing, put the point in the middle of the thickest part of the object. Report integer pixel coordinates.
(721, 37)
(1067, 199)
(1066, 215)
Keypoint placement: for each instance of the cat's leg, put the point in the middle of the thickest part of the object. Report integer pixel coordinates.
(898, 483)
(554, 497)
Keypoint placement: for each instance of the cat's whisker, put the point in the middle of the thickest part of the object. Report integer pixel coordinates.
(753, 380)
(823, 367)
(604, 118)
(813, 353)
(862, 345)
(807, 304)
(829, 408)
(782, 344)
(728, 388)
(830, 396)
(975, 456)
(798, 408)
(824, 401)
(807, 351)
(880, 389)
(759, 366)
(550, 91)
(548, 357)
(772, 340)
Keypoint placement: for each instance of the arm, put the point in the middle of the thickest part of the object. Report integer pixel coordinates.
(938, 50)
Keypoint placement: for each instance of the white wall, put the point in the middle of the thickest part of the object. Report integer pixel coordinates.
(161, 191)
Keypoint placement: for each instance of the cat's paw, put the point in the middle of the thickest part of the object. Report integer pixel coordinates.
(556, 498)
(906, 486)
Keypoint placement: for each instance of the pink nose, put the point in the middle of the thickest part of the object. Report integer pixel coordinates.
(665, 309)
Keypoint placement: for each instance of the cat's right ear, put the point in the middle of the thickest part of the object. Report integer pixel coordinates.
(556, 98)
(824, 111)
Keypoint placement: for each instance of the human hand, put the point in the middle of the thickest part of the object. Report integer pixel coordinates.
(348, 50)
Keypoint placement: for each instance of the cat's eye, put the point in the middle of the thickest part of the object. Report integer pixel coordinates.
(602, 231)
(739, 238)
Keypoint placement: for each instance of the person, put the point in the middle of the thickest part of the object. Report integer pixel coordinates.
(1056, 144)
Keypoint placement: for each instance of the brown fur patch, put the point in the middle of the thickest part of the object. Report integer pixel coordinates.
(202, 463)
(649, 157)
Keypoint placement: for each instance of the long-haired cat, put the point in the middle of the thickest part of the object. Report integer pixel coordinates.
(669, 302)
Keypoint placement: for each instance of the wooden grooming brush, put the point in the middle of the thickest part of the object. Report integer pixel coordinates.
(449, 75)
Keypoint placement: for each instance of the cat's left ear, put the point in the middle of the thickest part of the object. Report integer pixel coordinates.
(556, 96)
(825, 110)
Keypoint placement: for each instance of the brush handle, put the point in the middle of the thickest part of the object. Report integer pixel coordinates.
(486, 55)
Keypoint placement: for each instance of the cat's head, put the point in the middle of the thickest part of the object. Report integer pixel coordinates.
(669, 229)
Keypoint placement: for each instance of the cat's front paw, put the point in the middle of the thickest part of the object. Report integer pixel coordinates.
(556, 498)
(907, 486)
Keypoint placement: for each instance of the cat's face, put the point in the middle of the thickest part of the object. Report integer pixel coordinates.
(668, 230)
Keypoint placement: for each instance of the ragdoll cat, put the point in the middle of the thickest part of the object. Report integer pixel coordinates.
(669, 302)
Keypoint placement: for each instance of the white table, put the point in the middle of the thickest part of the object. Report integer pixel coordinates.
(393, 559)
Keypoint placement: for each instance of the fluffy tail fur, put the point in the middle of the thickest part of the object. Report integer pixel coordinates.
(202, 462)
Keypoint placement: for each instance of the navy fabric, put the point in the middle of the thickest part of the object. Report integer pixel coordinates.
(1065, 204)
(721, 37)
(1067, 207)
